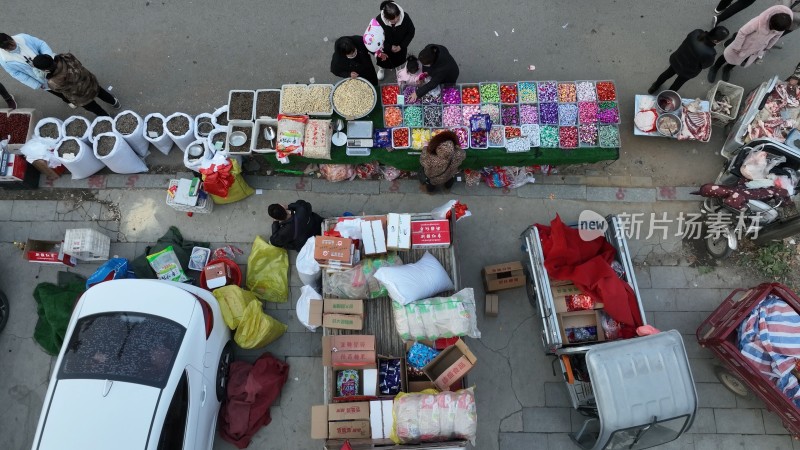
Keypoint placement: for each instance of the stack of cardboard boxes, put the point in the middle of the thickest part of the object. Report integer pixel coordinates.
(337, 313)
(570, 319)
(500, 277)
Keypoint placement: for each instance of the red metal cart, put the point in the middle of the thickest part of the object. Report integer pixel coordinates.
(719, 334)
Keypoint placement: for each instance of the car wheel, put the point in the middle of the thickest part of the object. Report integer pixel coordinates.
(223, 370)
(4, 309)
(732, 382)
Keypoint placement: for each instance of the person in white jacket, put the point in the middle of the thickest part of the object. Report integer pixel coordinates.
(16, 57)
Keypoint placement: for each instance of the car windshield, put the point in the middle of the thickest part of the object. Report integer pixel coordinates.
(123, 346)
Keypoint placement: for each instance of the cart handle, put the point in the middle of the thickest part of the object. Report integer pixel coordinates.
(567, 369)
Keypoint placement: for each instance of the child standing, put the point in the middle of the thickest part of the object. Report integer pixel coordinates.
(411, 72)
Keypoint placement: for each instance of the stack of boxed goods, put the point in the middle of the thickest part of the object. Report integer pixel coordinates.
(580, 318)
(337, 313)
(500, 277)
(335, 251)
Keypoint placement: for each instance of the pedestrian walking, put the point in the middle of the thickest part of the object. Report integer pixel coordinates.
(351, 59)
(68, 77)
(294, 224)
(695, 53)
(398, 31)
(12, 104)
(439, 66)
(16, 58)
(728, 8)
(752, 41)
(440, 161)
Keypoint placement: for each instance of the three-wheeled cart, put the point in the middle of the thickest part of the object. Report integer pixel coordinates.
(379, 321)
(719, 333)
(634, 393)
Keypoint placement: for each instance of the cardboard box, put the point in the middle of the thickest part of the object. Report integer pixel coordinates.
(367, 239)
(323, 426)
(349, 351)
(47, 252)
(343, 321)
(450, 365)
(560, 294)
(577, 319)
(404, 231)
(430, 234)
(376, 419)
(492, 305)
(87, 244)
(393, 231)
(369, 381)
(333, 249)
(343, 306)
(416, 383)
(379, 235)
(348, 411)
(315, 313)
(503, 276)
(388, 419)
(217, 275)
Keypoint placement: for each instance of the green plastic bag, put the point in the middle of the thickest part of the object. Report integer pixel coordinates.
(54, 305)
(256, 328)
(268, 271)
(232, 302)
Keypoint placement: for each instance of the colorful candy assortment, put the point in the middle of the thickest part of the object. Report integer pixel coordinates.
(497, 136)
(412, 116)
(479, 139)
(513, 132)
(400, 137)
(548, 91)
(567, 113)
(566, 93)
(568, 137)
(608, 136)
(392, 116)
(531, 131)
(508, 93)
(548, 113)
(432, 115)
(587, 134)
(510, 114)
(407, 91)
(548, 136)
(389, 94)
(463, 136)
(587, 112)
(451, 116)
(469, 111)
(586, 91)
(470, 95)
(528, 114)
(490, 93)
(493, 110)
(420, 138)
(606, 91)
(527, 92)
(609, 113)
(451, 95)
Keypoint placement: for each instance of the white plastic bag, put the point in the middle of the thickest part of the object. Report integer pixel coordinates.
(349, 229)
(303, 308)
(220, 117)
(438, 317)
(758, 163)
(39, 148)
(184, 140)
(195, 162)
(122, 158)
(422, 279)
(161, 141)
(97, 120)
(83, 164)
(136, 138)
(441, 211)
(307, 267)
(86, 134)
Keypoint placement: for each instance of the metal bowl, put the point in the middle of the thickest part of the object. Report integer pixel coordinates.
(662, 121)
(668, 101)
(374, 98)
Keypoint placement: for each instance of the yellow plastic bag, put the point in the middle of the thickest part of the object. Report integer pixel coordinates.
(268, 271)
(256, 328)
(239, 190)
(232, 302)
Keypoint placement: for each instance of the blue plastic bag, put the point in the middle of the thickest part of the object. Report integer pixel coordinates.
(113, 269)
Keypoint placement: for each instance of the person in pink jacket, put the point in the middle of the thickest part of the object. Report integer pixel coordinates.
(752, 41)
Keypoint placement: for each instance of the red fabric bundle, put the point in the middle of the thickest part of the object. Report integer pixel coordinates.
(251, 391)
(588, 265)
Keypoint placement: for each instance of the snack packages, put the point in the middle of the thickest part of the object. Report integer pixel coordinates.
(166, 265)
(480, 122)
(347, 383)
(389, 372)
(419, 355)
(579, 302)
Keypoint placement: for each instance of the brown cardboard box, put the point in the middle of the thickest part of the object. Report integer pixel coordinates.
(560, 294)
(315, 313)
(576, 319)
(330, 248)
(558, 282)
(416, 383)
(492, 304)
(325, 425)
(450, 365)
(503, 276)
(349, 351)
(343, 321)
(343, 306)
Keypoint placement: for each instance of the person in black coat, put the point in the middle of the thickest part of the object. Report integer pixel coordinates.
(398, 31)
(351, 59)
(439, 66)
(695, 53)
(293, 224)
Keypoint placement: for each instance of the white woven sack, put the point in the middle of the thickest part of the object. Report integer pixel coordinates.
(122, 158)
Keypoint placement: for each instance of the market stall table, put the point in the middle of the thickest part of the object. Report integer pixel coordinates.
(705, 107)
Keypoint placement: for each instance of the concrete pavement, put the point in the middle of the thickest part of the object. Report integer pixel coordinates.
(521, 403)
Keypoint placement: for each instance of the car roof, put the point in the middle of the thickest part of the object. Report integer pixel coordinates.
(99, 415)
(143, 296)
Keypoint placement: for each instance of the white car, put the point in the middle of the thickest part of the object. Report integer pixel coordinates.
(144, 365)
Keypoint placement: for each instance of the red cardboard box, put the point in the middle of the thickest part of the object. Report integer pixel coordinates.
(47, 252)
(430, 234)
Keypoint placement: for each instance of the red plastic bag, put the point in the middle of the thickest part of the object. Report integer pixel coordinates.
(217, 179)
